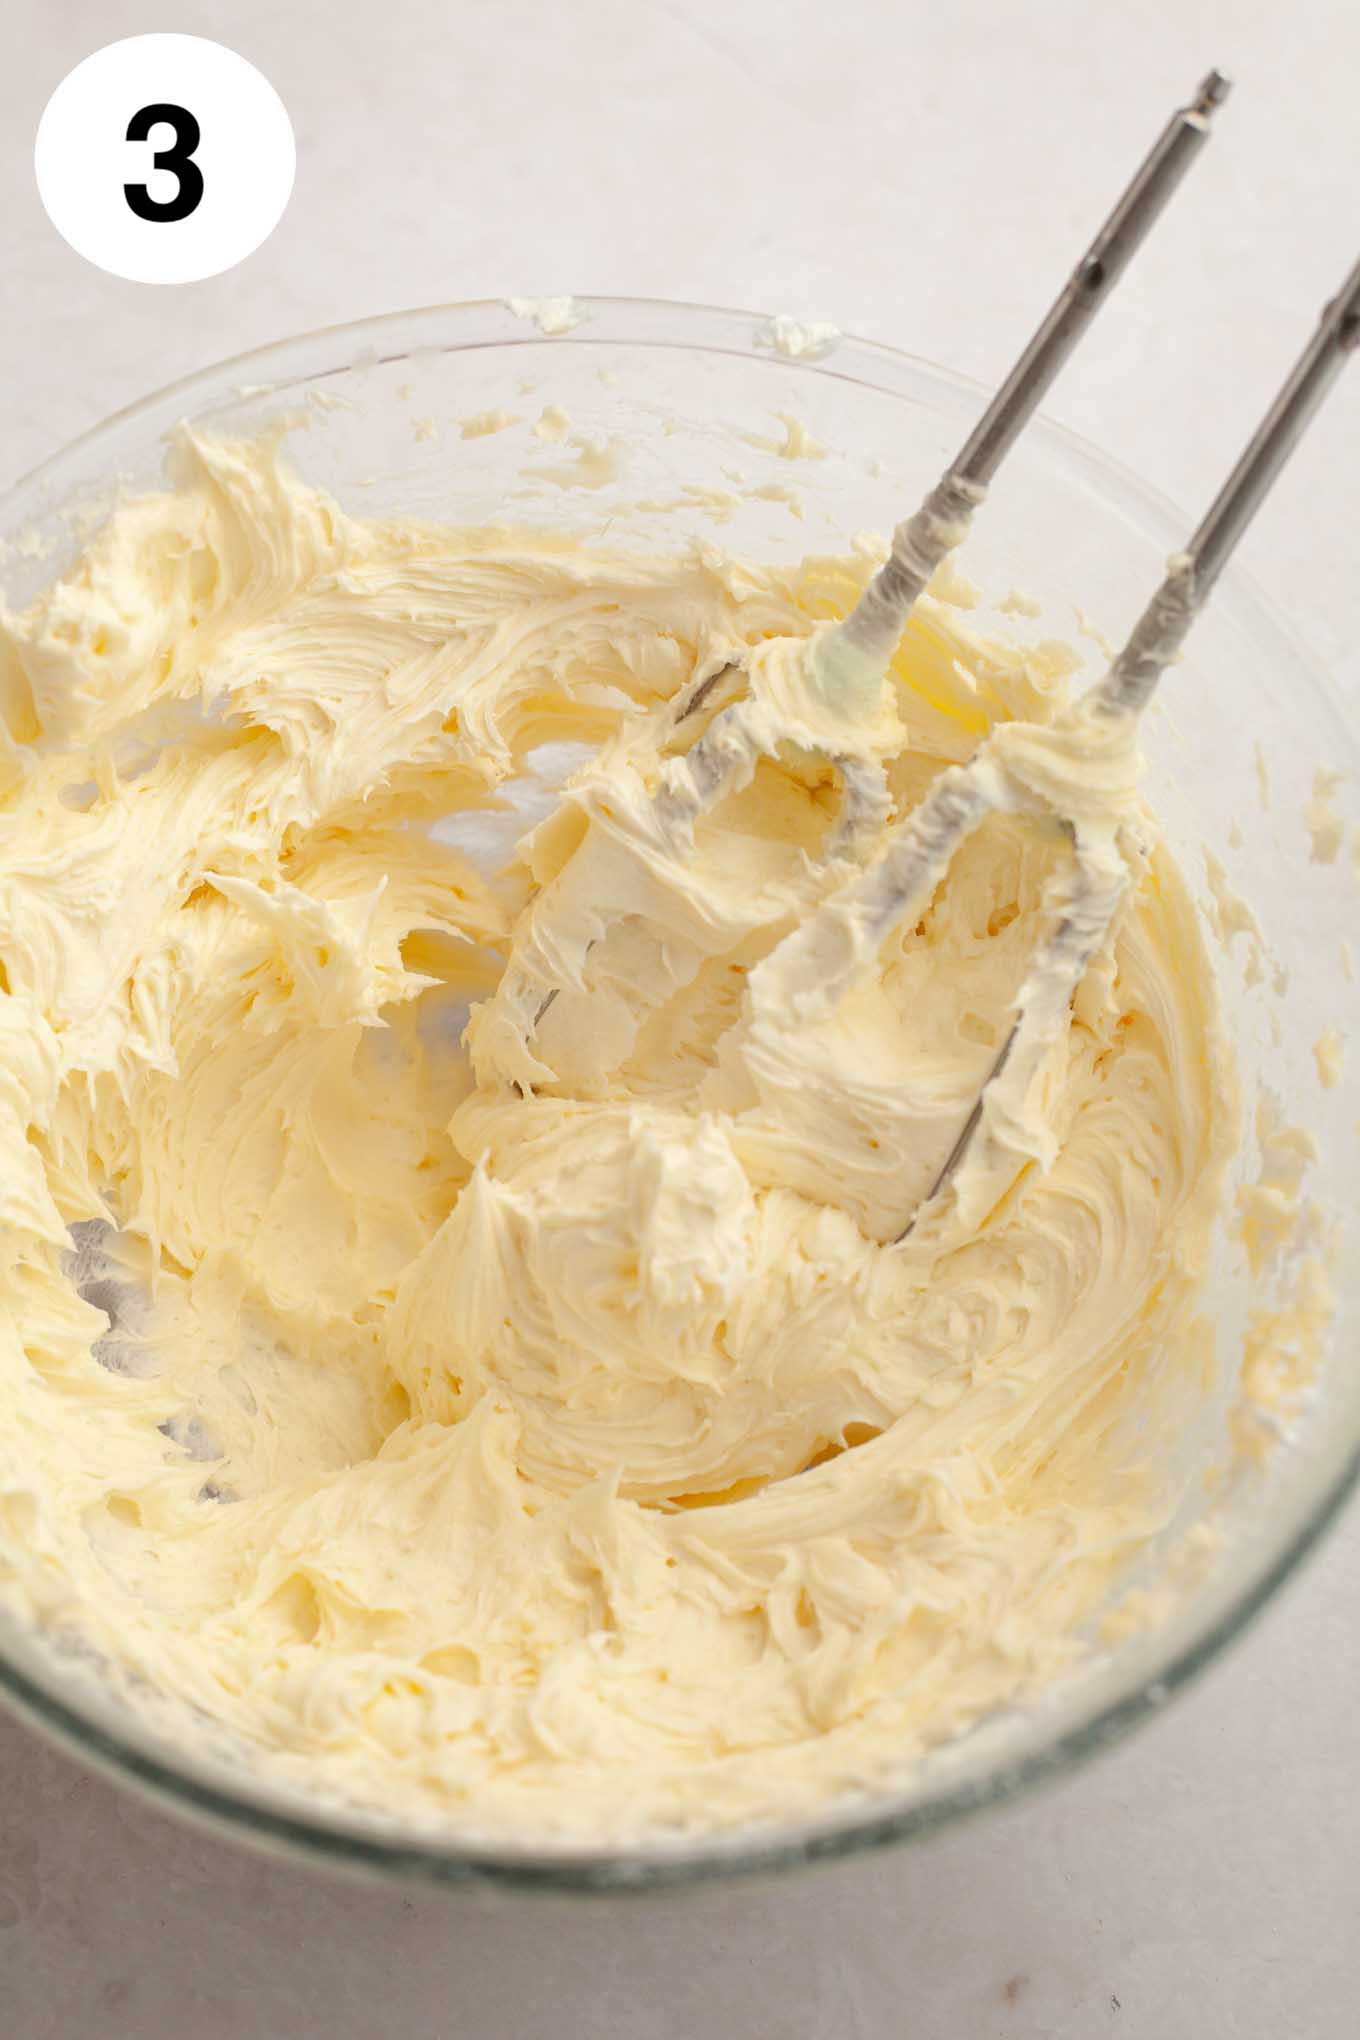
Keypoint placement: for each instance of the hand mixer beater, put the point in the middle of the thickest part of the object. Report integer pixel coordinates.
(721, 729)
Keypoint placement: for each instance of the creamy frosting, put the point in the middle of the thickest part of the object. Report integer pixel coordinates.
(542, 1433)
(798, 339)
(552, 315)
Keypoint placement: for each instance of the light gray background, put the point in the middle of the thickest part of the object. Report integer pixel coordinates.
(921, 173)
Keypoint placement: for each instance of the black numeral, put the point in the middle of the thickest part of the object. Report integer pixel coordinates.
(179, 159)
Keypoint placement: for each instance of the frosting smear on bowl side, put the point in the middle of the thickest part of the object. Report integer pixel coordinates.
(544, 1436)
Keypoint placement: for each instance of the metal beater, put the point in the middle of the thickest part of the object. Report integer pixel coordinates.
(700, 768)
(894, 887)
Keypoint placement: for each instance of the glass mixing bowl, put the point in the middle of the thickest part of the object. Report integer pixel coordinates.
(678, 418)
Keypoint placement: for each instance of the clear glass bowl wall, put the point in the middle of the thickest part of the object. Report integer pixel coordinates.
(688, 396)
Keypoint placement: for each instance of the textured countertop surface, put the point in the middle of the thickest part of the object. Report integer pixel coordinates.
(922, 175)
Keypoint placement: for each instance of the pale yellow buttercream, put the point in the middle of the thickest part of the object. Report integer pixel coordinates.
(545, 1434)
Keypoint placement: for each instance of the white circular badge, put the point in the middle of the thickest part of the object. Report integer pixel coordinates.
(165, 158)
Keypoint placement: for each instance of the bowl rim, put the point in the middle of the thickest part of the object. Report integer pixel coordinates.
(340, 1838)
